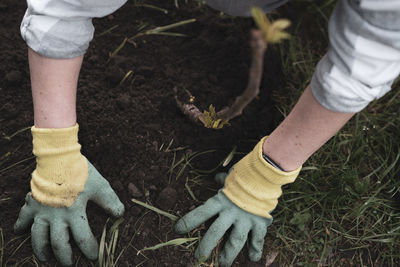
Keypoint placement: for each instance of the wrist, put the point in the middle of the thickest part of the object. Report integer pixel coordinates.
(282, 159)
(254, 185)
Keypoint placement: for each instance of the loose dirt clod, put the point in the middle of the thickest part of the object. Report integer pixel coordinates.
(13, 76)
(167, 198)
(124, 101)
(134, 191)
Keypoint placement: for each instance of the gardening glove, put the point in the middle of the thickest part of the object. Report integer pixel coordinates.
(250, 194)
(61, 185)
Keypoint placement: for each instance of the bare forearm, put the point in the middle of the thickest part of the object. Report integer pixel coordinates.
(54, 83)
(308, 126)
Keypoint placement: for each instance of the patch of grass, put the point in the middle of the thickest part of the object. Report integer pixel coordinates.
(344, 209)
(183, 165)
(9, 251)
(107, 246)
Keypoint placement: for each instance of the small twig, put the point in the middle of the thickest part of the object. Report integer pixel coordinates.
(15, 164)
(9, 137)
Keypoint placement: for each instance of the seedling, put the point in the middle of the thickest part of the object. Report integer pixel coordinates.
(272, 32)
(268, 33)
(210, 119)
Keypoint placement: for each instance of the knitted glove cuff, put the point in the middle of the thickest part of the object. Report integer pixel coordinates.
(61, 170)
(255, 185)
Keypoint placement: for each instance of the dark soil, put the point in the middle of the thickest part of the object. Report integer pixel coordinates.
(123, 126)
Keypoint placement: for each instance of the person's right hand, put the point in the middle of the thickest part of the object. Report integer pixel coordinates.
(250, 194)
(50, 225)
(228, 215)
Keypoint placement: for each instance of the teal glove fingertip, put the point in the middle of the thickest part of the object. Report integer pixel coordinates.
(102, 193)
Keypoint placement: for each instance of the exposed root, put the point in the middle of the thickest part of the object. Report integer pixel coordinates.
(258, 48)
(189, 110)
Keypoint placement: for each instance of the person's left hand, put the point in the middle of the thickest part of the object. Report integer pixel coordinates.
(228, 215)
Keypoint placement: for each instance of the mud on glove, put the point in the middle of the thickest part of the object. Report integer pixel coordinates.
(61, 185)
(250, 193)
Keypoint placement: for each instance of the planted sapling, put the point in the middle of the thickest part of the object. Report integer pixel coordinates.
(268, 33)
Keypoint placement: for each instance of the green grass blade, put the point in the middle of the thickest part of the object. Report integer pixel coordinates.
(163, 10)
(174, 34)
(161, 212)
(174, 242)
(170, 26)
(102, 245)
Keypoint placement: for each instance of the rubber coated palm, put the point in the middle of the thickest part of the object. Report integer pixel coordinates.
(50, 225)
(228, 215)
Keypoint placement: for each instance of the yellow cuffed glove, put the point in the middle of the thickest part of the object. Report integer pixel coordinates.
(254, 185)
(62, 184)
(251, 192)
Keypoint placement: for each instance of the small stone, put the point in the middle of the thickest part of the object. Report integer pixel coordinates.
(167, 198)
(13, 76)
(155, 144)
(154, 168)
(152, 187)
(134, 191)
(124, 101)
